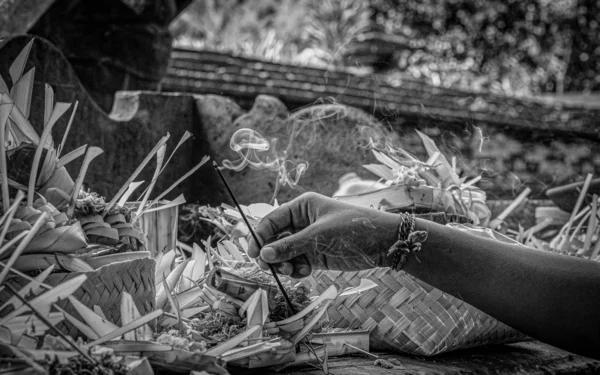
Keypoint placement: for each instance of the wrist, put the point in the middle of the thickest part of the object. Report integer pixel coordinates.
(391, 230)
(409, 241)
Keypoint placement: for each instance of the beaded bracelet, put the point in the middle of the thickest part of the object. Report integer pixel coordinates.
(409, 241)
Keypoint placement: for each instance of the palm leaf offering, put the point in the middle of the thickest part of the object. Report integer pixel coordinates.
(57, 240)
(408, 183)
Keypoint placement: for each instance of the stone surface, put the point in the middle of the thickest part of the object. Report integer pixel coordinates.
(217, 114)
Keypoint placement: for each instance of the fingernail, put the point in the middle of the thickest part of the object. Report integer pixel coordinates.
(268, 253)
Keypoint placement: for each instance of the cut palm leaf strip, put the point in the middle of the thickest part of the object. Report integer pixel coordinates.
(133, 176)
(71, 156)
(22, 245)
(82, 327)
(22, 131)
(329, 294)
(127, 328)
(31, 324)
(9, 213)
(129, 313)
(172, 279)
(175, 202)
(100, 325)
(91, 154)
(160, 157)
(64, 138)
(132, 187)
(58, 111)
(17, 67)
(32, 287)
(42, 317)
(36, 262)
(582, 194)
(164, 261)
(162, 195)
(22, 90)
(232, 342)
(3, 86)
(12, 351)
(592, 223)
(184, 138)
(309, 326)
(5, 110)
(174, 305)
(45, 300)
(48, 102)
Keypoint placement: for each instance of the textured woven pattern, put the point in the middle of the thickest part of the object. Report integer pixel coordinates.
(104, 288)
(407, 315)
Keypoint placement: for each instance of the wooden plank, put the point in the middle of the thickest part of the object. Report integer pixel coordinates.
(522, 358)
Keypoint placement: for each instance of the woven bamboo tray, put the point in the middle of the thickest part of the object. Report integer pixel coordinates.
(407, 315)
(103, 288)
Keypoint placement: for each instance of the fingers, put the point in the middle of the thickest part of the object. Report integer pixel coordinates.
(293, 216)
(298, 267)
(287, 248)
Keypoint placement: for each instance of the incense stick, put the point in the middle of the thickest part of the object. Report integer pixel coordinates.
(287, 298)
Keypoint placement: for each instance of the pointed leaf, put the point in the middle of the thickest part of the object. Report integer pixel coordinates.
(172, 279)
(48, 102)
(43, 302)
(127, 328)
(32, 287)
(18, 65)
(329, 294)
(4, 113)
(21, 128)
(22, 90)
(381, 171)
(3, 86)
(160, 156)
(100, 325)
(443, 168)
(82, 327)
(129, 313)
(127, 194)
(175, 202)
(64, 138)
(163, 265)
(133, 176)
(22, 245)
(232, 342)
(71, 156)
(164, 193)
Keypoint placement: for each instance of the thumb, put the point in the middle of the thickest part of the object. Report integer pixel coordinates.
(286, 248)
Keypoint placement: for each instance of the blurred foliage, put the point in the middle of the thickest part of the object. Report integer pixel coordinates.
(508, 46)
(525, 46)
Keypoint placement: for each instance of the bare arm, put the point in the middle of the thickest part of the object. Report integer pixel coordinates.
(550, 297)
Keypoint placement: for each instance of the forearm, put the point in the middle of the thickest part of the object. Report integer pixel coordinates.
(550, 297)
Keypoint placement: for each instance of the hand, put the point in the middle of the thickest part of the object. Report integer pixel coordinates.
(316, 232)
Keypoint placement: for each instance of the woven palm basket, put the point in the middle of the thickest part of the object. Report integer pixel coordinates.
(104, 288)
(407, 315)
